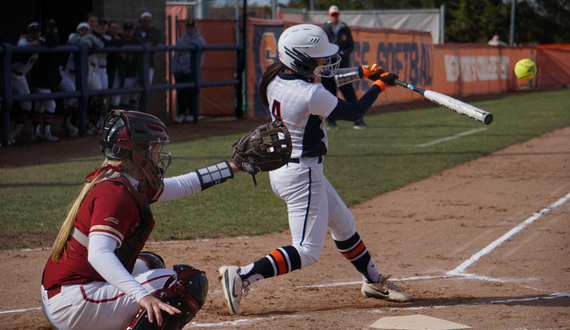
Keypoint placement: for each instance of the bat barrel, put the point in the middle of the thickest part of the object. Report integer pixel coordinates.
(488, 119)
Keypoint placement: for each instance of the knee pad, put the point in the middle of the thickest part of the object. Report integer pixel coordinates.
(153, 260)
(186, 291)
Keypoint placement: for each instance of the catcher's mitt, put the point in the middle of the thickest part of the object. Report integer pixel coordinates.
(264, 148)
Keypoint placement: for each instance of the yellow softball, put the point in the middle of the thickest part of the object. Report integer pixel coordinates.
(525, 69)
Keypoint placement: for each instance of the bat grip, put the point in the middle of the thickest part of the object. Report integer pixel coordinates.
(401, 83)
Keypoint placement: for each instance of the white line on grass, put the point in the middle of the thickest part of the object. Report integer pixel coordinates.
(451, 137)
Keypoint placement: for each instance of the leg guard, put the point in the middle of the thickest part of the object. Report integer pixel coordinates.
(153, 260)
(187, 292)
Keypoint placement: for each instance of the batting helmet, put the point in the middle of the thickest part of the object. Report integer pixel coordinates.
(139, 137)
(301, 44)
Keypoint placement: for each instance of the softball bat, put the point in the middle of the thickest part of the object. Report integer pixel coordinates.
(452, 104)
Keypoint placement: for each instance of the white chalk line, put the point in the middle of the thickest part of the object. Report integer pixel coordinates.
(459, 271)
(245, 322)
(451, 137)
(20, 310)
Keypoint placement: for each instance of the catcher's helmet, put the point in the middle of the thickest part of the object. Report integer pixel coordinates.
(301, 44)
(139, 137)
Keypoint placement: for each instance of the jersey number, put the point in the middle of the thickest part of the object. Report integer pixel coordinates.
(276, 109)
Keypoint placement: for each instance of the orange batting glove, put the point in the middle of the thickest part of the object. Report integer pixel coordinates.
(386, 80)
(372, 72)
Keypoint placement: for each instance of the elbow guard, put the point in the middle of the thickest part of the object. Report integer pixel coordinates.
(214, 174)
(347, 76)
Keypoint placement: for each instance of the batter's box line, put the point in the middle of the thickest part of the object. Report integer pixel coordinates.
(245, 322)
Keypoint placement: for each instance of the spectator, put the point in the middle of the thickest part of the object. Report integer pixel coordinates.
(181, 69)
(114, 78)
(45, 78)
(496, 41)
(339, 34)
(128, 68)
(22, 64)
(147, 33)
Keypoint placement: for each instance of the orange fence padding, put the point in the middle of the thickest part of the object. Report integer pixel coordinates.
(452, 69)
(466, 69)
(218, 65)
(553, 63)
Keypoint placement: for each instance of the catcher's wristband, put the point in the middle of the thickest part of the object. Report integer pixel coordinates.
(347, 76)
(214, 174)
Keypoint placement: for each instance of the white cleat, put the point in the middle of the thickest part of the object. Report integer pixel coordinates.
(49, 137)
(384, 289)
(37, 137)
(232, 287)
(70, 130)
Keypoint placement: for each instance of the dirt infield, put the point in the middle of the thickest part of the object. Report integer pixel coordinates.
(483, 244)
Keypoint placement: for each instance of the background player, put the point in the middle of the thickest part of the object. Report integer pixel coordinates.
(45, 78)
(287, 88)
(23, 63)
(340, 35)
(67, 84)
(96, 277)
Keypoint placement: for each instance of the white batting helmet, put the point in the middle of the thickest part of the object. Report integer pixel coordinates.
(301, 44)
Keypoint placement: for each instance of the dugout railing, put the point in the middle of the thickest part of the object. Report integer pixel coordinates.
(82, 92)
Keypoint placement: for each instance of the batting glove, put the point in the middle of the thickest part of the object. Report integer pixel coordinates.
(372, 72)
(386, 80)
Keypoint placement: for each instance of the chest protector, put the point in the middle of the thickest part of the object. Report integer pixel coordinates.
(137, 236)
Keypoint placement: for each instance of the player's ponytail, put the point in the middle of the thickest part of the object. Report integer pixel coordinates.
(60, 243)
(270, 74)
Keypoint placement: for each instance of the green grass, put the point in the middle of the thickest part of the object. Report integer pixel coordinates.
(360, 164)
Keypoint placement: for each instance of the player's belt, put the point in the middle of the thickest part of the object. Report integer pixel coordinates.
(17, 73)
(298, 161)
(53, 292)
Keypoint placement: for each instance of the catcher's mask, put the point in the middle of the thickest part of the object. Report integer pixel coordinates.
(139, 137)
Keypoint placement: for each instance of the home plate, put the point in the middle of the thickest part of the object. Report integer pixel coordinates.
(416, 322)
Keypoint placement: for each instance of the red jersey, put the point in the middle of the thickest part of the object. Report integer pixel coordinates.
(110, 207)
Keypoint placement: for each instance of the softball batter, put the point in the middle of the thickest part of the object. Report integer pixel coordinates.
(288, 89)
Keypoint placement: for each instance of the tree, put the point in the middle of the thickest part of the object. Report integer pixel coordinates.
(476, 21)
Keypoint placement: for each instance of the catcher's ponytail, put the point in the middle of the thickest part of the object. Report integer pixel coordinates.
(270, 74)
(60, 243)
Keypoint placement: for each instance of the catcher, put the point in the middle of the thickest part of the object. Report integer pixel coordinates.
(97, 277)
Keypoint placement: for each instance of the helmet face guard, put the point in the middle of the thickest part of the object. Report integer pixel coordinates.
(139, 137)
(299, 47)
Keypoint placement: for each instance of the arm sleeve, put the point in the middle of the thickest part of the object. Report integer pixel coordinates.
(353, 111)
(180, 186)
(106, 263)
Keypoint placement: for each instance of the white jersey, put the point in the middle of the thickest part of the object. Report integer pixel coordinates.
(303, 106)
(23, 68)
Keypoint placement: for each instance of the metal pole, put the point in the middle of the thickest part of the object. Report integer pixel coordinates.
(442, 24)
(512, 38)
(244, 42)
(169, 113)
